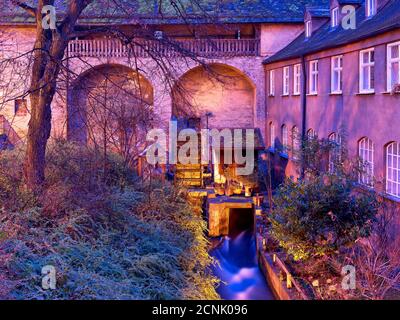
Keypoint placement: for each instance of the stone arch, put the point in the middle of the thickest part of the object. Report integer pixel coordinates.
(107, 104)
(221, 90)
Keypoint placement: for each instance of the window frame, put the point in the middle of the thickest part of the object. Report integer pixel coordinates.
(370, 65)
(370, 8)
(314, 75)
(272, 136)
(336, 152)
(389, 62)
(21, 107)
(335, 17)
(339, 70)
(395, 170)
(272, 83)
(286, 81)
(308, 28)
(296, 145)
(297, 79)
(311, 133)
(285, 138)
(366, 147)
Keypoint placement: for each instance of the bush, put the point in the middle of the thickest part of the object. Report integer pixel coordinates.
(323, 212)
(107, 237)
(317, 217)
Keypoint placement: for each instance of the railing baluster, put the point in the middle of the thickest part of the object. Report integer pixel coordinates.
(202, 47)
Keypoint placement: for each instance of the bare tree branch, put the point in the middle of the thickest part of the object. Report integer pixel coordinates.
(26, 7)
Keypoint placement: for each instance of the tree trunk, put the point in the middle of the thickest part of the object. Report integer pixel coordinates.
(38, 134)
(48, 55)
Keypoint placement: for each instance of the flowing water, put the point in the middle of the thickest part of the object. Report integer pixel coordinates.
(239, 270)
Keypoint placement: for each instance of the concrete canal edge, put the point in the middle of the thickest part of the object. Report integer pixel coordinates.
(271, 273)
(288, 289)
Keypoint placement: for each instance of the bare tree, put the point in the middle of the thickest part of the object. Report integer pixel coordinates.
(48, 53)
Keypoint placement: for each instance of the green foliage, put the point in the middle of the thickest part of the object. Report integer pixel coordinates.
(322, 213)
(108, 237)
(317, 217)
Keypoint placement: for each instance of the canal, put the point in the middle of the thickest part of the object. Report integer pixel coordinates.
(237, 266)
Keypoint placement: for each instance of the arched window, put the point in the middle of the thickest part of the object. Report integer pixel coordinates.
(334, 152)
(284, 134)
(366, 154)
(311, 134)
(295, 142)
(271, 135)
(393, 169)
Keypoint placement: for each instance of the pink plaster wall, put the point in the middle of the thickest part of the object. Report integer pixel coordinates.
(375, 116)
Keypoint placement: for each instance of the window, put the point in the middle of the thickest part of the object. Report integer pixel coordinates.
(296, 79)
(313, 77)
(370, 7)
(295, 142)
(311, 134)
(21, 107)
(367, 68)
(272, 83)
(334, 152)
(393, 169)
(284, 133)
(336, 74)
(271, 135)
(286, 81)
(335, 17)
(366, 155)
(308, 28)
(393, 65)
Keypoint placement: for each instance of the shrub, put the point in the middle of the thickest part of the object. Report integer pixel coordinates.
(317, 217)
(107, 236)
(377, 259)
(323, 212)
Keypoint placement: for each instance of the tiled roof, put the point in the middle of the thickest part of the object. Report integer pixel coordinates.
(387, 18)
(319, 12)
(163, 11)
(343, 2)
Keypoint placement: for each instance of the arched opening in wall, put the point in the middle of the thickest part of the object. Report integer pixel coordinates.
(217, 95)
(110, 108)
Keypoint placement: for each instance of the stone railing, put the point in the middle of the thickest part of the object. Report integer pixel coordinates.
(209, 48)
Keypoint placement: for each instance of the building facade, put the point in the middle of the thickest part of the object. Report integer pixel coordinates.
(331, 82)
